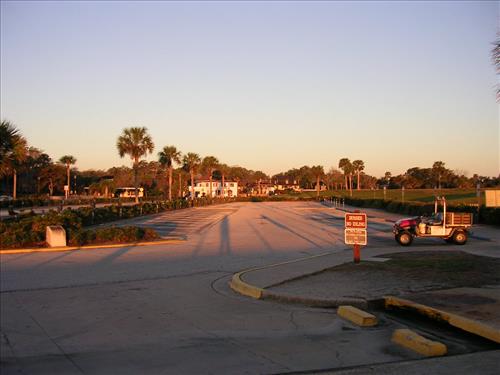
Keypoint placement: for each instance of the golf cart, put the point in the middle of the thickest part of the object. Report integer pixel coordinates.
(453, 227)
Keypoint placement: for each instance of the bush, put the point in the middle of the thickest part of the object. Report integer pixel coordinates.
(112, 235)
(487, 215)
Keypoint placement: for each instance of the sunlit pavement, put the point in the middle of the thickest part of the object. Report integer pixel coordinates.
(168, 309)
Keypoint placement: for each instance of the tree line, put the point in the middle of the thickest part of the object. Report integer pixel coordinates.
(28, 170)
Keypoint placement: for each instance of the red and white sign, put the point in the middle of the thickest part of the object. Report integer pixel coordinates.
(355, 220)
(355, 229)
(355, 236)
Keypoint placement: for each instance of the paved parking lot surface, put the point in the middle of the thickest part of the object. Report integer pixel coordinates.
(168, 308)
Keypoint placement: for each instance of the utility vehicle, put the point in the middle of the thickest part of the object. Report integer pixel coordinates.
(453, 227)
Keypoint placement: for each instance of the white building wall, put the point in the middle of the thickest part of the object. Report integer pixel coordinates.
(202, 188)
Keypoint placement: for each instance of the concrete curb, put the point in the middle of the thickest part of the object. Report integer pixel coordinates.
(89, 247)
(253, 291)
(469, 325)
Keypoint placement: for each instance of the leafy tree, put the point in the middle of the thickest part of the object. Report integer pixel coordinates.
(135, 142)
(335, 177)
(358, 166)
(438, 171)
(209, 164)
(13, 151)
(167, 157)
(318, 172)
(191, 163)
(51, 176)
(68, 161)
(258, 177)
(35, 162)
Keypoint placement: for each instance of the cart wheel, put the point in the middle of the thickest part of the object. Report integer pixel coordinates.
(460, 237)
(404, 238)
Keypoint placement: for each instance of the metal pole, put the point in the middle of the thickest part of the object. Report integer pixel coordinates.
(356, 254)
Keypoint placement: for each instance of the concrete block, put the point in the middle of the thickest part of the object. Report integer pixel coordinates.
(55, 236)
(413, 341)
(357, 316)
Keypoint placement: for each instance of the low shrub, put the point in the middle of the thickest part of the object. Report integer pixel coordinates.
(112, 235)
(487, 215)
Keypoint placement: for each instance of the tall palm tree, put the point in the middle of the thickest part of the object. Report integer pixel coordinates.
(13, 151)
(191, 162)
(67, 160)
(167, 157)
(345, 165)
(358, 166)
(224, 170)
(137, 143)
(209, 164)
(318, 172)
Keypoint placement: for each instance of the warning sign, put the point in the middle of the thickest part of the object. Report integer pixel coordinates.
(355, 236)
(355, 220)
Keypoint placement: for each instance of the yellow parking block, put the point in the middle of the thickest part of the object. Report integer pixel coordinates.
(413, 341)
(357, 316)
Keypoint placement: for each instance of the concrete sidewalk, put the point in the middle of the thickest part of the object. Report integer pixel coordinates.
(477, 310)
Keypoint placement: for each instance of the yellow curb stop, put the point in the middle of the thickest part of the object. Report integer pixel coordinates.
(413, 341)
(357, 316)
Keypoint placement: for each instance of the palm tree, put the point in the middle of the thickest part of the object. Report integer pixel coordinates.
(224, 170)
(137, 143)
(345, 165)
(167, 158)
(358, 166)
(67, 160)
(191, 163)
(318, 172)
(13, 151)
(209, 164)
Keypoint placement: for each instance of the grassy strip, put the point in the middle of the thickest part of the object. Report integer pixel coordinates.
(452, 268)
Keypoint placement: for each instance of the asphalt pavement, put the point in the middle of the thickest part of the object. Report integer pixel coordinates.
(168, 309)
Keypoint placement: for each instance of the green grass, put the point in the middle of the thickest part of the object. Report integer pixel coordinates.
(453, 196)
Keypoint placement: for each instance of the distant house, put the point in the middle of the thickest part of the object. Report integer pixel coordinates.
(129, 192)
(262, 188)
(283, 184)
(202, 189)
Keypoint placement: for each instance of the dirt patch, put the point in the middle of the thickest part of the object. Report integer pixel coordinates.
(406, 272)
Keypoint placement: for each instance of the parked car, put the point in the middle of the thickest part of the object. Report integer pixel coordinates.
(5, 198)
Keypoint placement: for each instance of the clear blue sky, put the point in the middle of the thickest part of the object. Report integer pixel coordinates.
(268, 86)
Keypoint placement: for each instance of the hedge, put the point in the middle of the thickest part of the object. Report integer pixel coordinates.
(112, 235)
(487, 215)
(29, 229)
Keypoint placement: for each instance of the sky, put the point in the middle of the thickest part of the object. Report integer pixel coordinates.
(266, 85)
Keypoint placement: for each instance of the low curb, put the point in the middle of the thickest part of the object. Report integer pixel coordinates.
(89, 247)
(413, 341)
(469, 325)
(253, 291)
(357, 316)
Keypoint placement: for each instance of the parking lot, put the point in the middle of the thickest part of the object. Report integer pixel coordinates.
(168, 308)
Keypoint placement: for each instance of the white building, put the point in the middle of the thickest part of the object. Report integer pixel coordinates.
(202, 189)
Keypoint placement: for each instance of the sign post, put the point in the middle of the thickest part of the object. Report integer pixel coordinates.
(355, 232)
